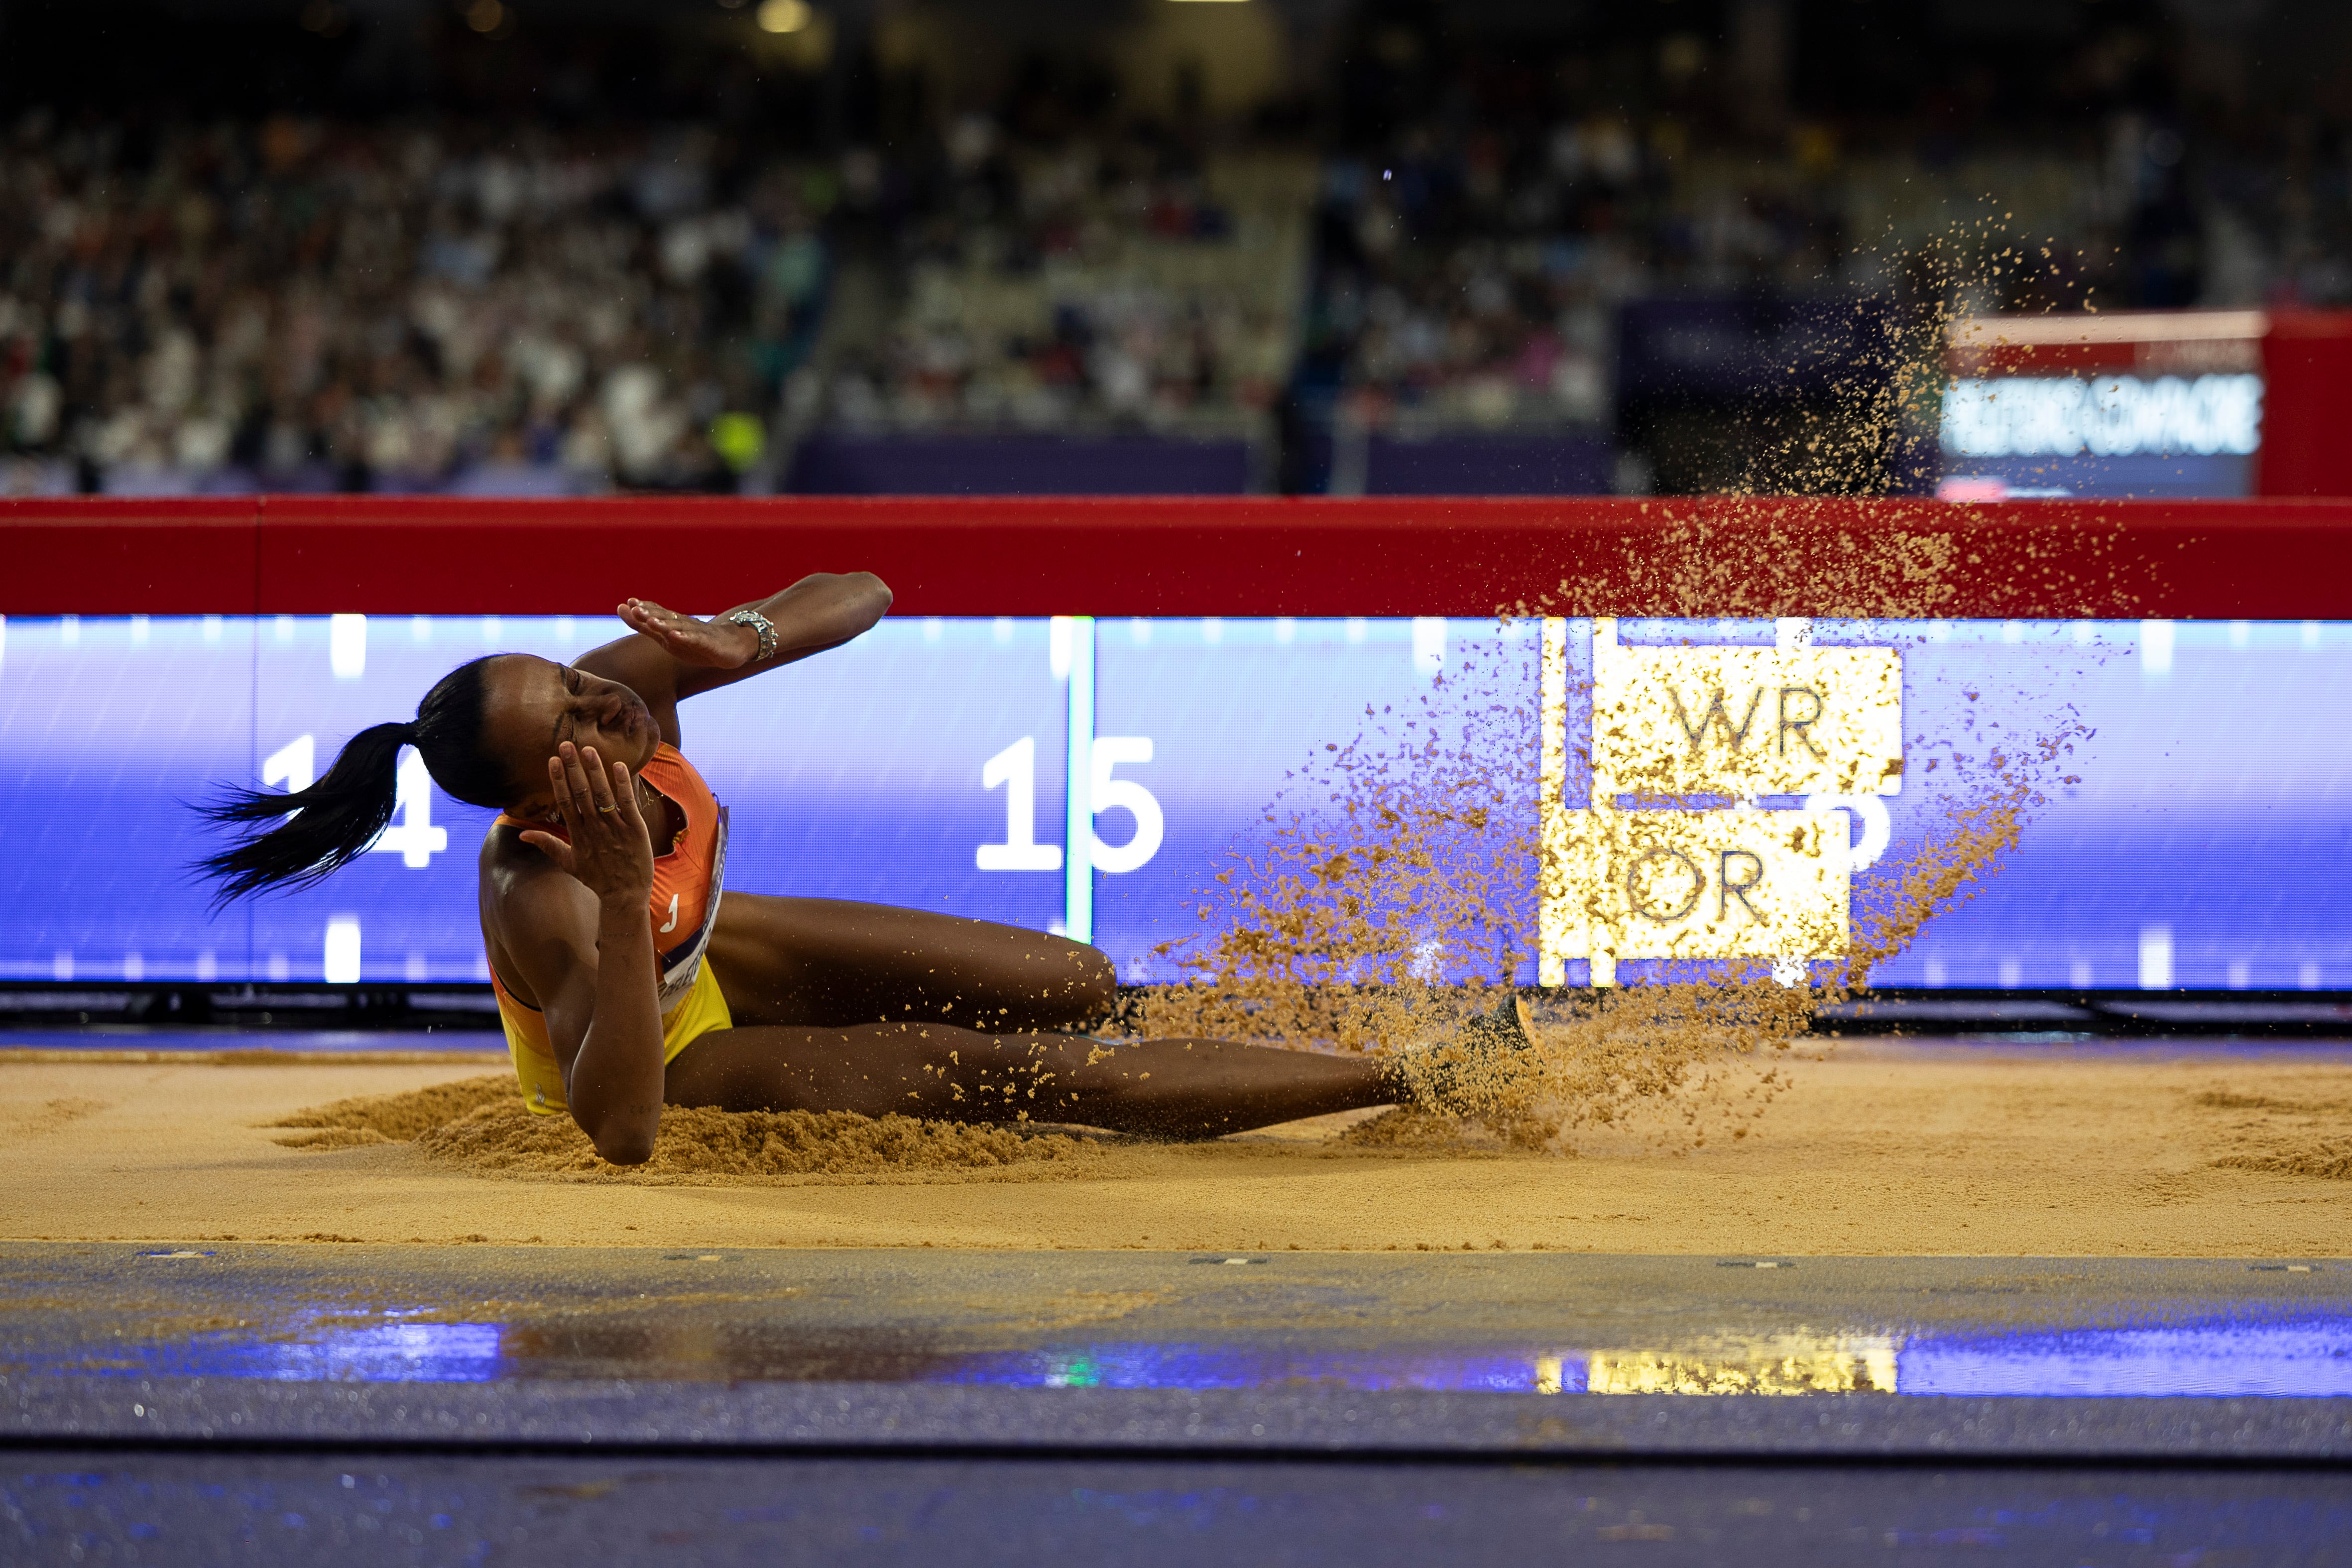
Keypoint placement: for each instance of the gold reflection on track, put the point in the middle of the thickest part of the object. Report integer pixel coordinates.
(1788, 1364)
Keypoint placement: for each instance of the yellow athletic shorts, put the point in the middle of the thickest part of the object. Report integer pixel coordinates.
(704, 1009)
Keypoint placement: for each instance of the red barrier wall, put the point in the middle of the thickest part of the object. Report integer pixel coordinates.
(2306, 404)
(307, 555)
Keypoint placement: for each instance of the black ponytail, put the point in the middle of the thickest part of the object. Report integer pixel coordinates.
(330, 824)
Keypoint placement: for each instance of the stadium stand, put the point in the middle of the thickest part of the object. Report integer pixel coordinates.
(1443, 254)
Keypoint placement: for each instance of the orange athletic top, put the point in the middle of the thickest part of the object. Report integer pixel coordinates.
(687, 882)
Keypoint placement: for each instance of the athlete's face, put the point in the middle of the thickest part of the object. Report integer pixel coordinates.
(531, 706)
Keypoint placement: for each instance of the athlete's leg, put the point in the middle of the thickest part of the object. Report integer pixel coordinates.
(1178, 1089)
(832, 962)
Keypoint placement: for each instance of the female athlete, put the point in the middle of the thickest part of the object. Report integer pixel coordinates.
(626, 980)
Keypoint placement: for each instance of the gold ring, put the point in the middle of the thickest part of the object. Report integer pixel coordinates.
(612, 810)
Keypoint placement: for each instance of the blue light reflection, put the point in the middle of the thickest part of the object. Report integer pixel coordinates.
(2302, 1358)
(1249, 1366)
(392, 1353)
(2308, 1360)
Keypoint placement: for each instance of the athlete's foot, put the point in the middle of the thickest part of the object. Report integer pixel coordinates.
(1466, 1074)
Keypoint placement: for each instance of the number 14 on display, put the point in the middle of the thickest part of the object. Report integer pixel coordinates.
(411, 834)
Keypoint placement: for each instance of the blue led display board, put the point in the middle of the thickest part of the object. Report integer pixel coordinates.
(925, 764)
(2167, 436)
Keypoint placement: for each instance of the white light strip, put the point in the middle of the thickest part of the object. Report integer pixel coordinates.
(1078, 814)
(2127, 327)
(2107, 416)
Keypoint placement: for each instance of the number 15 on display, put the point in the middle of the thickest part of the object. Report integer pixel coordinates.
(1014, 770)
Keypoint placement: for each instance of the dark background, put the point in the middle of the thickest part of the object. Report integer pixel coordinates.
(1505, 206)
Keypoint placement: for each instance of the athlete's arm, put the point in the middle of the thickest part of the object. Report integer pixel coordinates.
(670, 657)
(583, 945)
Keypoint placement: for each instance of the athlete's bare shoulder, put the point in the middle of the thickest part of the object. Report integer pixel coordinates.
(538, 922)
(527, 900)
(508, 865)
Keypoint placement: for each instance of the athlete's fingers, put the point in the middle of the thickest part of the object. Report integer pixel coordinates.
(549, 845)
(607, 810)
(681, 632)
(567, 856)
(580, 809)
(560, 781)
(633, 816)
(646, 620)
(650, 618)
(575, 776)
(599, 783)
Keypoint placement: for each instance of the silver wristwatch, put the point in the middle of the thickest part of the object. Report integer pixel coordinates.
(760, 624)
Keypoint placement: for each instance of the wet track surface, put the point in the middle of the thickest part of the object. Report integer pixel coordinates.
(1539, 1324)
(219, 1401)
(215, 1402)
(301, 1509)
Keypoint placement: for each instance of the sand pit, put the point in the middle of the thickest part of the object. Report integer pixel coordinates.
(2047, 1150)
(707, 1147)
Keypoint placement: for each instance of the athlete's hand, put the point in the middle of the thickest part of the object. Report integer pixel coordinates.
(610, 852)
(709, 645)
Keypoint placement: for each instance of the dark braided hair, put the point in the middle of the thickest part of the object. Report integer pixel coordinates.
(330, 824)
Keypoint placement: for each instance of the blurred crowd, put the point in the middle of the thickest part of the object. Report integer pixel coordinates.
(299, 305)
(1476, 281)
(1117, 281)
(1472, 257)
(308, 306)
(501, 304)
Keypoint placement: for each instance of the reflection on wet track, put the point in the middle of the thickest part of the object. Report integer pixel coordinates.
(1531, 1326)
(2290, 1359)
(205, 1402)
